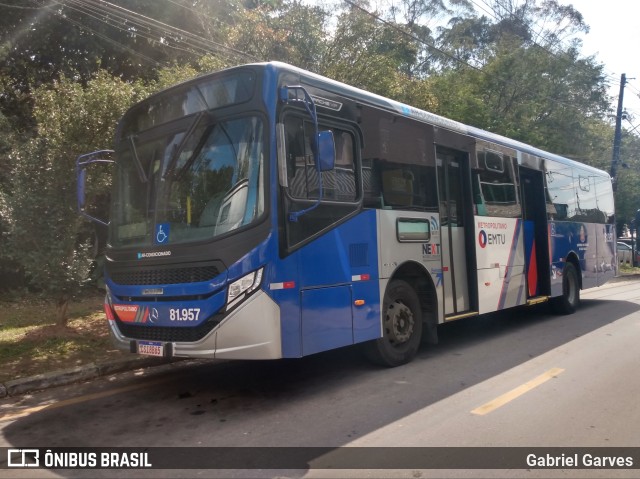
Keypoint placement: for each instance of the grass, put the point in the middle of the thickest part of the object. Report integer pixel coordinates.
(31, 343)
(626, 269)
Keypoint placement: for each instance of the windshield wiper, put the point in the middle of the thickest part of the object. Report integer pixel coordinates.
(187, 136)
(136, 159)
(201, 142)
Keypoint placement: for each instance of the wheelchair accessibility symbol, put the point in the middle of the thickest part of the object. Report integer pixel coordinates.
(162, 233)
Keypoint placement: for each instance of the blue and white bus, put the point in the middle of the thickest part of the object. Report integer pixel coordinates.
(266, 212)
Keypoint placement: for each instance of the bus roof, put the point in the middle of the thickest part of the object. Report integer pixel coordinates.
(379, 101)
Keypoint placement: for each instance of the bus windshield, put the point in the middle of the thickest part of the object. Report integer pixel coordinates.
(196, 180)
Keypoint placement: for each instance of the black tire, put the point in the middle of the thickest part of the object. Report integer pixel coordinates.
(401, 327)
(570, 299)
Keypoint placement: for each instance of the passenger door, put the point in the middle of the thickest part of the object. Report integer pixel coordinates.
(455, 204)
(534, 212)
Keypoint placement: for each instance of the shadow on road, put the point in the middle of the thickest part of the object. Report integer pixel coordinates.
(328, 399)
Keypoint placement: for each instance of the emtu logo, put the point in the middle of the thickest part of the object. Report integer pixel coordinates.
(491, 239)
(482, 238)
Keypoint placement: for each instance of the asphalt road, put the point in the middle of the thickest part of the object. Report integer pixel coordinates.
(518, 379)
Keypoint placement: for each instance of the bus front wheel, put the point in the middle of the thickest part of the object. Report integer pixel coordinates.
(401, 327)
(570, 299)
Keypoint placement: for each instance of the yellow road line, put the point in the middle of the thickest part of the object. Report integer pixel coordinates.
(79, 399)
(517, 392)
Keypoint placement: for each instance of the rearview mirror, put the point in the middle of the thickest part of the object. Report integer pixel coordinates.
(326, 151)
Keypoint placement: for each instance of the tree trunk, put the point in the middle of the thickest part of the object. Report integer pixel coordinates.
(62, 308)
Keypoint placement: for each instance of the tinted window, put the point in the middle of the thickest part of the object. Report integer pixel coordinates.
(586, 207)
(495, 185)
(398, 166)
(216, 186)
(340, 190)
(188, 99)
(604, 197)
(338, 184)
(560, 191)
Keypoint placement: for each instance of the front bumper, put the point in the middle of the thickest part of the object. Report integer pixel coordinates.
(251, 331)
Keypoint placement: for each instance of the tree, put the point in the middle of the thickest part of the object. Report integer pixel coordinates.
(628, 177)
(8, 267)
(132, 39)
(366, 53)
(46, 236)
(288, 31)
(417, 19)
(510, 76)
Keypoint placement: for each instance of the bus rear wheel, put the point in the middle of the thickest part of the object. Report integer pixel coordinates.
(401, 327)
(570, 299)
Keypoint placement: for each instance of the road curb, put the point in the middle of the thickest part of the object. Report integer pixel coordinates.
(625, 277)
(64, 377)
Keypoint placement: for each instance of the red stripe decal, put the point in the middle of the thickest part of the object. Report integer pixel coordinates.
(532, 275)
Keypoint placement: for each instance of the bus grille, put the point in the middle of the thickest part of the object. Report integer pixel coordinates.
(168, 334)
(143, 277)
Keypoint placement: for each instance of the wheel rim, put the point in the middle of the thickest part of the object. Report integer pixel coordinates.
(399, 322)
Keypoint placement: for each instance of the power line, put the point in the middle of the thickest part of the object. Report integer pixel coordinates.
(20, 7)
(169, 28)
(412, 36)
(456, 59)
(151, 29)
(131, 26)
(490, 13)
(197, 12)
(609, 76)
(147, 27)
(121, 24)
(113, 42)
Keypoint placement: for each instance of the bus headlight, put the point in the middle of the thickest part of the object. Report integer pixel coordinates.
(241, 288)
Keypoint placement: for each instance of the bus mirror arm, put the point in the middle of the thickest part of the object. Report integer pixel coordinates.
(82, 162)
(322, 146)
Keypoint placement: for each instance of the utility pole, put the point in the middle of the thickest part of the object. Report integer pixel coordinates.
(617, 138)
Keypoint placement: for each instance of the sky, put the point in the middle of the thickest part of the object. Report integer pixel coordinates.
(614, 38)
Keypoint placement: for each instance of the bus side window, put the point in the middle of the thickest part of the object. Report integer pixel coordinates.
(338, 184)
(478, 199)
(397, 187)
(342, 177)
(559, 183)
(371, 183)
(398, 163)
(604, 198)
(495, 191)
(340, 192)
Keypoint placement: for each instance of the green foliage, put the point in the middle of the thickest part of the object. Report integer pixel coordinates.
(44, 226)
(367, 54)
(287, 31)
(46, 237)
(628, 178)
(178, 73)
(549, 101)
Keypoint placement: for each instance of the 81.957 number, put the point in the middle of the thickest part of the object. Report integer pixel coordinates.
(184, 314)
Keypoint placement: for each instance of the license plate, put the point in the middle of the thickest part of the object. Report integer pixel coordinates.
(151, 348)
